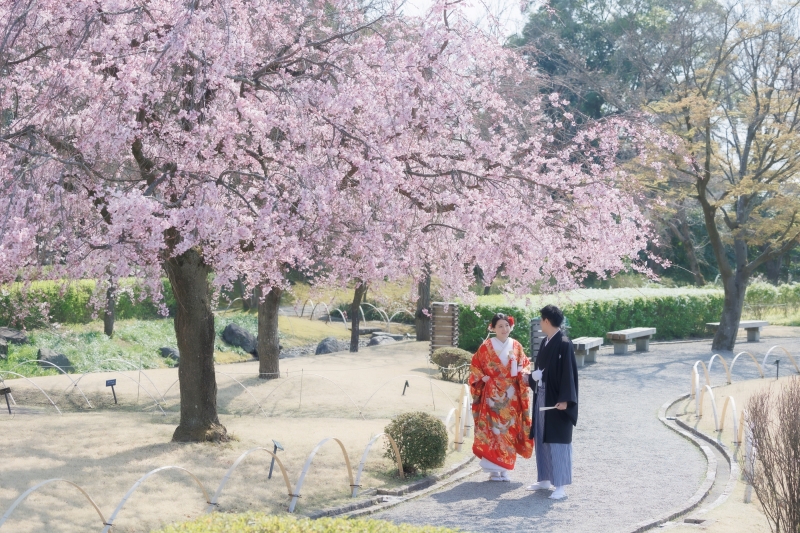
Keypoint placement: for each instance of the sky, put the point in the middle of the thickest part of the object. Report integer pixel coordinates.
(508, 12)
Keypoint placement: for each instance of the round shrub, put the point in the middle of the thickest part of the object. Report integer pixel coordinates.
(453, 363)
(265, 523)
(422, 440)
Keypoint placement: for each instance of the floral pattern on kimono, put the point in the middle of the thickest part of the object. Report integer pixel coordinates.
(500, 406)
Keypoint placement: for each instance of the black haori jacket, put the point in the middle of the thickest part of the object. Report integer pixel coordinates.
(557, 359)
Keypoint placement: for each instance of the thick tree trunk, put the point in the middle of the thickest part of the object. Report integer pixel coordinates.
(194, 329)
(111, 310)
(355, 315)
(422, 322)
(268, 343)
(735, 289)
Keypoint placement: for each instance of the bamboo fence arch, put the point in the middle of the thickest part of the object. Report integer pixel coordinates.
(213, 502)
(307, 465)
(363, 461)
(33, 489)
(769, 352)
(724, 365)
(141, 480)
(736, 422)
(74, 384)
(695, 388)
(705, 373)
(703, 391)
(215, 499)
(133, 368)
(35, 385)
(753, 357)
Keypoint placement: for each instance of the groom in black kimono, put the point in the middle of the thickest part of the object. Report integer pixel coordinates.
(555, 405)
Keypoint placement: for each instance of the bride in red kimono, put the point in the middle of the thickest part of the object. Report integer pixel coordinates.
(501, 401)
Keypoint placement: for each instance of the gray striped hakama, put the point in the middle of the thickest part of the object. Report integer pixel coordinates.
(553, 461)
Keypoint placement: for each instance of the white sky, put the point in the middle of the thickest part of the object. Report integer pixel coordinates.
(507, 12)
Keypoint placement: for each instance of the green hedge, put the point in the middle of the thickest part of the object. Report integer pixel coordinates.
(261, 523)
(674, 317)
(69, 303)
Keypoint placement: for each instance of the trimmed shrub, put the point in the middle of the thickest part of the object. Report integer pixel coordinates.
(422, 440)
(674, 317)
(675, 314)
(453, 363)
(264, 523)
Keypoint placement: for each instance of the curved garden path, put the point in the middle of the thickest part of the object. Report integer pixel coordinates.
(628, 467)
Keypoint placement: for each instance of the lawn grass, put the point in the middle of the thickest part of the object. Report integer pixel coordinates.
(391, 296)
(776, 318)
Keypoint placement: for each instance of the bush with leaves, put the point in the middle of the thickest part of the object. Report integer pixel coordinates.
(421, 439)
(452, 362)
(264, 523)
(762, 297)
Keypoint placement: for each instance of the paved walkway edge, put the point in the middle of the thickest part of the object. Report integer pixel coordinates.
(393, 497)
(733, 478)
(705, 487)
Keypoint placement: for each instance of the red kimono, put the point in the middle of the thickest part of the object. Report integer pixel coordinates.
(500, 406)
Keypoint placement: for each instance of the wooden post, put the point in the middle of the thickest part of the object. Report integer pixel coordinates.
(536, 337)
(444, 325)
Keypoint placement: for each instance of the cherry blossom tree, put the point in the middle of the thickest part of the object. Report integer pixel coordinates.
(241, 139)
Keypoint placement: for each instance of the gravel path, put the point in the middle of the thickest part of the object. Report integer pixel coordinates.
(628, 467)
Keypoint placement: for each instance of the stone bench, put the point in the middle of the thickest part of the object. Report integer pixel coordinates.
(753, 328)
(621, 339)
(586, 349)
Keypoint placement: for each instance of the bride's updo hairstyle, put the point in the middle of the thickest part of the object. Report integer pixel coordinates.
(502, 316)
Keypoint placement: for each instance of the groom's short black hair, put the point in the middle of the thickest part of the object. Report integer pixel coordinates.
(553, 314)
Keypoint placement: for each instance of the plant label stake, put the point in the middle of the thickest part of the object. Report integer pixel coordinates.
(5, 392)
(111, 383)
(404, 388)
(274, 451)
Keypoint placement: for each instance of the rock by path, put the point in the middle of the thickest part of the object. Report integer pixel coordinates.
(628, 467)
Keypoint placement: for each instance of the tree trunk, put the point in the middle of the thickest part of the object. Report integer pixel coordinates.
(355, 315)
(691, 255)
(682, 231)
(773, 269)
(478, 273)
(422, 322)
(194, 330)
(111, 310)
(268, 343)
(245, 295)
(735, 289)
